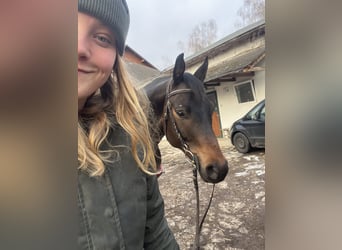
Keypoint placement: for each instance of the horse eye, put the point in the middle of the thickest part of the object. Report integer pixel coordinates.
(180, 112)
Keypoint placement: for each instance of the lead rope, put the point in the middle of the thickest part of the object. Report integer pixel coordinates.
(199, 225)
(198, 228)
(193, 159)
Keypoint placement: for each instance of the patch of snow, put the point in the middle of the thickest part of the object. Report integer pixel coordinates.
(260, 172)
(241, 174)
(260, 194)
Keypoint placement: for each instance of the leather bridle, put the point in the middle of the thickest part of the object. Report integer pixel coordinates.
(168, 115)
(192, 157)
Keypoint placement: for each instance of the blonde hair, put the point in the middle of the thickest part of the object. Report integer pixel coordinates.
(116, 98)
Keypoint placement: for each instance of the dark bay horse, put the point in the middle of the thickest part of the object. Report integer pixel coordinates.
(184, 115)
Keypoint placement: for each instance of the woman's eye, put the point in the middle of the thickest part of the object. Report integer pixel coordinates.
(103, 40)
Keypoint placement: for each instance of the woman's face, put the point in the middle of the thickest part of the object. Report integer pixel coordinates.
(96, 56)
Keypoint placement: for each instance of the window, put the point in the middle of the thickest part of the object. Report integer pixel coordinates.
(245, 92)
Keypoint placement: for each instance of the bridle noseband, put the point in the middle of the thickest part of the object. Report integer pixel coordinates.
(192, 157)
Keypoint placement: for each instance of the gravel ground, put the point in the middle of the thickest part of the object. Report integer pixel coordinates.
(236, 217)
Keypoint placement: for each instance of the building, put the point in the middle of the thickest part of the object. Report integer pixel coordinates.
(235, 80)
(139, 69)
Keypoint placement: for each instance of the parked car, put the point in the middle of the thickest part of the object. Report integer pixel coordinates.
(249, 131)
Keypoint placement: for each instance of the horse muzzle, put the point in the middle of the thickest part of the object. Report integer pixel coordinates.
(214, 173)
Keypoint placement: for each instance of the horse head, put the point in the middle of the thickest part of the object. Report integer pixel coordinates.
(188, 120)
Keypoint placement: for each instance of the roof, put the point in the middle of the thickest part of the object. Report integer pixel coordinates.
(247, 33)
(140, 73)
(223, 44)
(143, 60)
(240, 65)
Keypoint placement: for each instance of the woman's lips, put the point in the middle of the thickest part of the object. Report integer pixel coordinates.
(83, 71)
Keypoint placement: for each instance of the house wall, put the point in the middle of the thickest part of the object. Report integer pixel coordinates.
(229, 107)
(133, 57)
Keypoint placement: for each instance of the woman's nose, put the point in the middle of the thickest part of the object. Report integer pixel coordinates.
(84, 50)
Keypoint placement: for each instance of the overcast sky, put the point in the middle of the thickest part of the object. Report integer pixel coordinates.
(158, 25)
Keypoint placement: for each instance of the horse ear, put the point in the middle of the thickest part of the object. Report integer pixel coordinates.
(179, 69)
(202, 71)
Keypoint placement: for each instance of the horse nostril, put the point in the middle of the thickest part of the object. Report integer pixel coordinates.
(215, 173)
(212, 172)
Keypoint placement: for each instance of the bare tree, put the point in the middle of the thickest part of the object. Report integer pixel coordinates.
(201, 36)
(251, 11)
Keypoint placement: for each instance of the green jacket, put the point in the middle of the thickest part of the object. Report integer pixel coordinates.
(123, 209)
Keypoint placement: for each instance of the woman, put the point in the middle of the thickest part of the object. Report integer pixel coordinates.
(119, 199)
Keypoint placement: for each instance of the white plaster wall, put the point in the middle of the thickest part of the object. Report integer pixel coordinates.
(229, 107)
(260, 84)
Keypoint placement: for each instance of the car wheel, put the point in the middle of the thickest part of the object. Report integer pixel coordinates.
(241, 143)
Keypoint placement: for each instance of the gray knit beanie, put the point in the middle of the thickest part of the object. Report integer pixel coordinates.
(113, 13)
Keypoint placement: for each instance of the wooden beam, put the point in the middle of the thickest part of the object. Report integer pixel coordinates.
(231, 77)
(257, 69)
(212, 83)
(238, 74)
